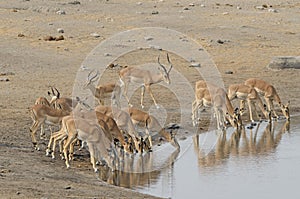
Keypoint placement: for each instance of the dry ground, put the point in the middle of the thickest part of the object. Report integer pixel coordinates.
(252, 37)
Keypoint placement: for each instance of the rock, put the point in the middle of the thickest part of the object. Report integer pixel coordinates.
(49, 38)
(154, 12)
(272, 10)
(112, 65)
(148, 38)
(285, 62)
(220, 41)
(21, 35)
(109, 19)
(96, 35)
(61, 12)
(185, 8)
(74, 2)
(228, 72)
(6, 73)
(195, 64)
(4, 80)
(238, 7)
(192, 4)
(155, 47)
(59, 38)
(259, 7)
(60, 30)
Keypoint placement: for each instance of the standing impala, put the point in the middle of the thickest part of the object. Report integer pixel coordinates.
(41, 114)
(145, 78)
(270, 94)
(101, 91)
(61, 102)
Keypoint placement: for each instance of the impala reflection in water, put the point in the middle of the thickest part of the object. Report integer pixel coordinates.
(258, 141)
(255, 161)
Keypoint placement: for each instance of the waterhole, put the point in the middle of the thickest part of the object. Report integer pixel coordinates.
(259, 161)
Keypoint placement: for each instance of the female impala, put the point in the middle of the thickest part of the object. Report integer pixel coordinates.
(244, 92)
(152, 126)
(270, 94)
(207, 94)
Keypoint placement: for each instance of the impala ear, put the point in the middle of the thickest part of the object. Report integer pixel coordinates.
(287, 104)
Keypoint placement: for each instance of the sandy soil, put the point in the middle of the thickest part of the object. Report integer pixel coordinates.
(252, 37)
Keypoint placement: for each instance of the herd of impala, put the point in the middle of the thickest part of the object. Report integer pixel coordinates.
(111, 132)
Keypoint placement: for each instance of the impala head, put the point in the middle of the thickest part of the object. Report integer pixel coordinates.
(169, 137)
(285, 110)
(91, 78)
(235, 119)
(164, 71)
(54, 96)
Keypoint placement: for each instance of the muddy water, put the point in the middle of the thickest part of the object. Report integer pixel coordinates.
(258, 162)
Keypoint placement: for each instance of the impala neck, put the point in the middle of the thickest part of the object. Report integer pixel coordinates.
(229, 106)
(156, 78)
(277, 99)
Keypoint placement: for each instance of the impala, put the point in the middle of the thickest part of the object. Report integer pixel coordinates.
(244, 92)
(102, 91)
(209, 95)
(145, 78)
(41, 114)
(270, 94)
(152, 126)
(124, 122)
(106, 122)
(44, 101)
(61, 102)
(94, 135)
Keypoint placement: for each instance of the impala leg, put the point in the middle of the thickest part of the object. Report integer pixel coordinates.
(242, 107)
(61, 137)
(151, 94)
(255, 110)
(270, 106)
(34, 127)
(194, 113)
(42, 135)
(61, 146)
(250, 110)
(71, 150)
(52, 137)
(125, 92)
(142, 96)
(66, 147)
(149, 139)
(92, 156)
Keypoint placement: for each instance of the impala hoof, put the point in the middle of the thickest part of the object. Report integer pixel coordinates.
(48, 151)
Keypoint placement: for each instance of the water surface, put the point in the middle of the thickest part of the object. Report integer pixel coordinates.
(261, 162)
